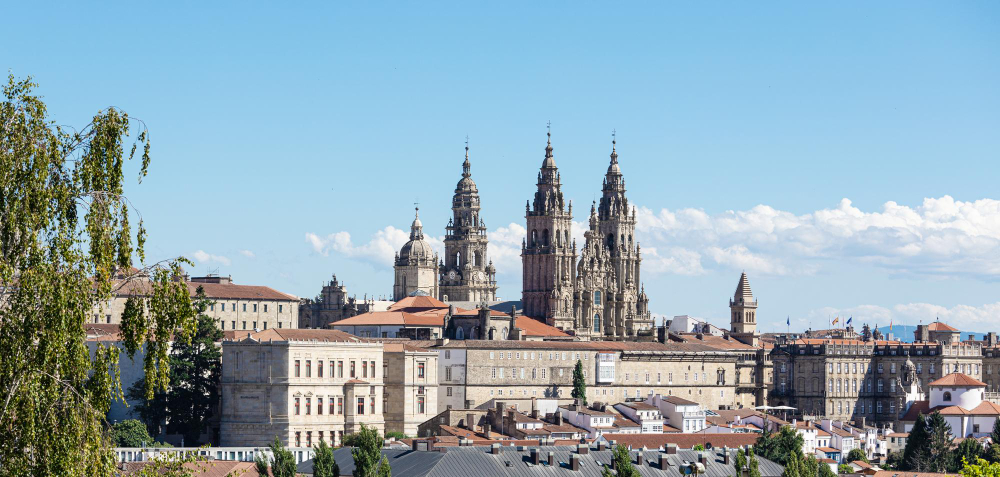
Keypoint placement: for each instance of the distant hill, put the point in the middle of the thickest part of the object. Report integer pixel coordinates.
(905, 332)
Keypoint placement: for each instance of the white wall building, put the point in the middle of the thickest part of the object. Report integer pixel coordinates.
(680, 413)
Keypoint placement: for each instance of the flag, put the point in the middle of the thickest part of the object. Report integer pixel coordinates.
(788, 321)
(835, 320)
(849, 320)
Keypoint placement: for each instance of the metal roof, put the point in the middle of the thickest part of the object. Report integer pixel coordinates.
(514, 462)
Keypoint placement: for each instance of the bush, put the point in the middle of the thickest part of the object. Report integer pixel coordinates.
(396, 435)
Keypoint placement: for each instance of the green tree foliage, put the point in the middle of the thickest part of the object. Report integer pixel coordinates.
(754, 465)
(939, 443)
(792, 467)
(970, 450)
(621, 462)
(741, 462)
(893, 460)
(780, 447)
(130, 433)
(579, 383)
(367, 454)
(810, 467)
(981, 468)
(857, 454)
(844, 468)
(995, 435)
(324, 465)
(190, 400)
(281, 464)
(395, 435)
(992, 453)
(915, 453)
(698, 447)
(66, 244)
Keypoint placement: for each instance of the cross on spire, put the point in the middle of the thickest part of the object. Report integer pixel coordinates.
(548, 128)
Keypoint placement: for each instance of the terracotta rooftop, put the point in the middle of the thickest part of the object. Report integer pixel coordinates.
(302, 334)
(679, 401)
(239, 292)
(938, 326)
(640, 406)
(959, 380)
(532, 327)
(827, 449)
(897, 473)
(399, 318)
(417, 302)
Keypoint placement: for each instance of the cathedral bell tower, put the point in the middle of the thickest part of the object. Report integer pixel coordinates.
(743, 308)
(465, 274)
(416, 265)
(547, 254)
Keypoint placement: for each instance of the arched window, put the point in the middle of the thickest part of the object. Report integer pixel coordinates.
(458, 259)
(479, 259)
(460, 334)
(611, 241)
(947, 395)
(597, 322)
(534, 237)
(597, 298)
(545, 237)
(566, 237)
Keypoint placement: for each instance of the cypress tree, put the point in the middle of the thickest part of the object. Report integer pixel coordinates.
(579, 384)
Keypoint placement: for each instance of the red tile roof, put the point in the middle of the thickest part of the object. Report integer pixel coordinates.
(302, 334)
(533, 327)
(938, 326)
(385, 318)
(959, 380)
(412, 303)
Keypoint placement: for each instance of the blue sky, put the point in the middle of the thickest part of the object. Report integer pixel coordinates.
(291, 143)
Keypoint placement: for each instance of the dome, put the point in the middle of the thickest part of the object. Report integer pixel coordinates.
(466, 184)
(418, 248)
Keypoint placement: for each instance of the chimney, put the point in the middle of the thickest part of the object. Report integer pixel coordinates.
(703, 458)
(582, 449)
(422, 445)
(534, 456)
(486, 429)
(574, 462)
(534, 413)
(470, 421)
(464, 442)
(495, 449)
(638, 458)
(671, 448)
(559, 418)
(552, 458)
(663, 461)
(725, 455)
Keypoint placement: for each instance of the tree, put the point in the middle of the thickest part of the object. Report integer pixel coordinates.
(969, 450)
(754, 466)
(621, 462)
(857, 454)
(741, 462)
(992, 453)
(915, 453)
(579, 383)
(938, 444)
(130, 433)
(190, 400)
(995, 435)
(811, 467)
(792, 465)
(368, 458)
(324, 464)
(981, 468)
(281, 464)
(893, 460)
(67, 244)
(780, 447)
(395, 435)
(844, 468)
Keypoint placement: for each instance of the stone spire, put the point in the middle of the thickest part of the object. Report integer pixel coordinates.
(743, 293)
(416, 228)
(466, 166)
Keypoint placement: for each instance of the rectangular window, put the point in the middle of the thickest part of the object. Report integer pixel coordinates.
(223, 306)
(332, 408)
(255, 308)
(420, 404)
(308, 368)
(234, 325)
(244, 307)
(420, 370)
(298, 439)
(296, 368)
(265, 325)
(244, 325)
(361, 405)
(296, 406)
(340, 369)
(449, 391)
(319, 369)
(255, 325)
(308, 406)
(281, 308)
(223, 323)
(371, 365)
(353, 375)
(340, 405)
(319, 406)
(364, 369)
(372, 405)
(265, 308)
(309, 438)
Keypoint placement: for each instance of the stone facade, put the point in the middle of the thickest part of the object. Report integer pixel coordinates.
(416, 265)
(334, 304)
(411, 387)
(477, 371)
(845, 379)
(599, 295)
(234, 307)
(467, 274)
(300, 385)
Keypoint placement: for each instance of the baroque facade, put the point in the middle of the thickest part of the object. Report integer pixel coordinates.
(466, 273)
(599, 294)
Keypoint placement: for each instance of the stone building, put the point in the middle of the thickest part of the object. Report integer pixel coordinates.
(467, 274)
(598, 295)
(874, 380)
(411, 386)
(304, 386)
(416, 265)
(473, 372)
(334, 304)
(234, 307)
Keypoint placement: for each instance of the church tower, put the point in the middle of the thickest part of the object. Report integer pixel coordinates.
(547, 254)
(743, 321)
(466, 275)
(609, 285)
(416, 265)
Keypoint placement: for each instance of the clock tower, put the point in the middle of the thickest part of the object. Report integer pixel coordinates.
(467, 274)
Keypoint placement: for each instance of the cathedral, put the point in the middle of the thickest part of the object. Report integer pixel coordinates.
(598, 295)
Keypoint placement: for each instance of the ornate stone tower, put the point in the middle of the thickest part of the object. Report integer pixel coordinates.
(416, 265)
(465, 274)
(608, 287)
(547, 254)
(743, 321)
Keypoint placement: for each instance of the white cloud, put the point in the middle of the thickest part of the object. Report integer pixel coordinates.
(941, 237)
(247, 254)
(380, 249)
(202, 256)
(963, 317)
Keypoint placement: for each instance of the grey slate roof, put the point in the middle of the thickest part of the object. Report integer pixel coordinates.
(472, 461)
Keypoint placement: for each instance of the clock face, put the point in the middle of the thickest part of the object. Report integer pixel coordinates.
(479, 275)
(452, 275)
